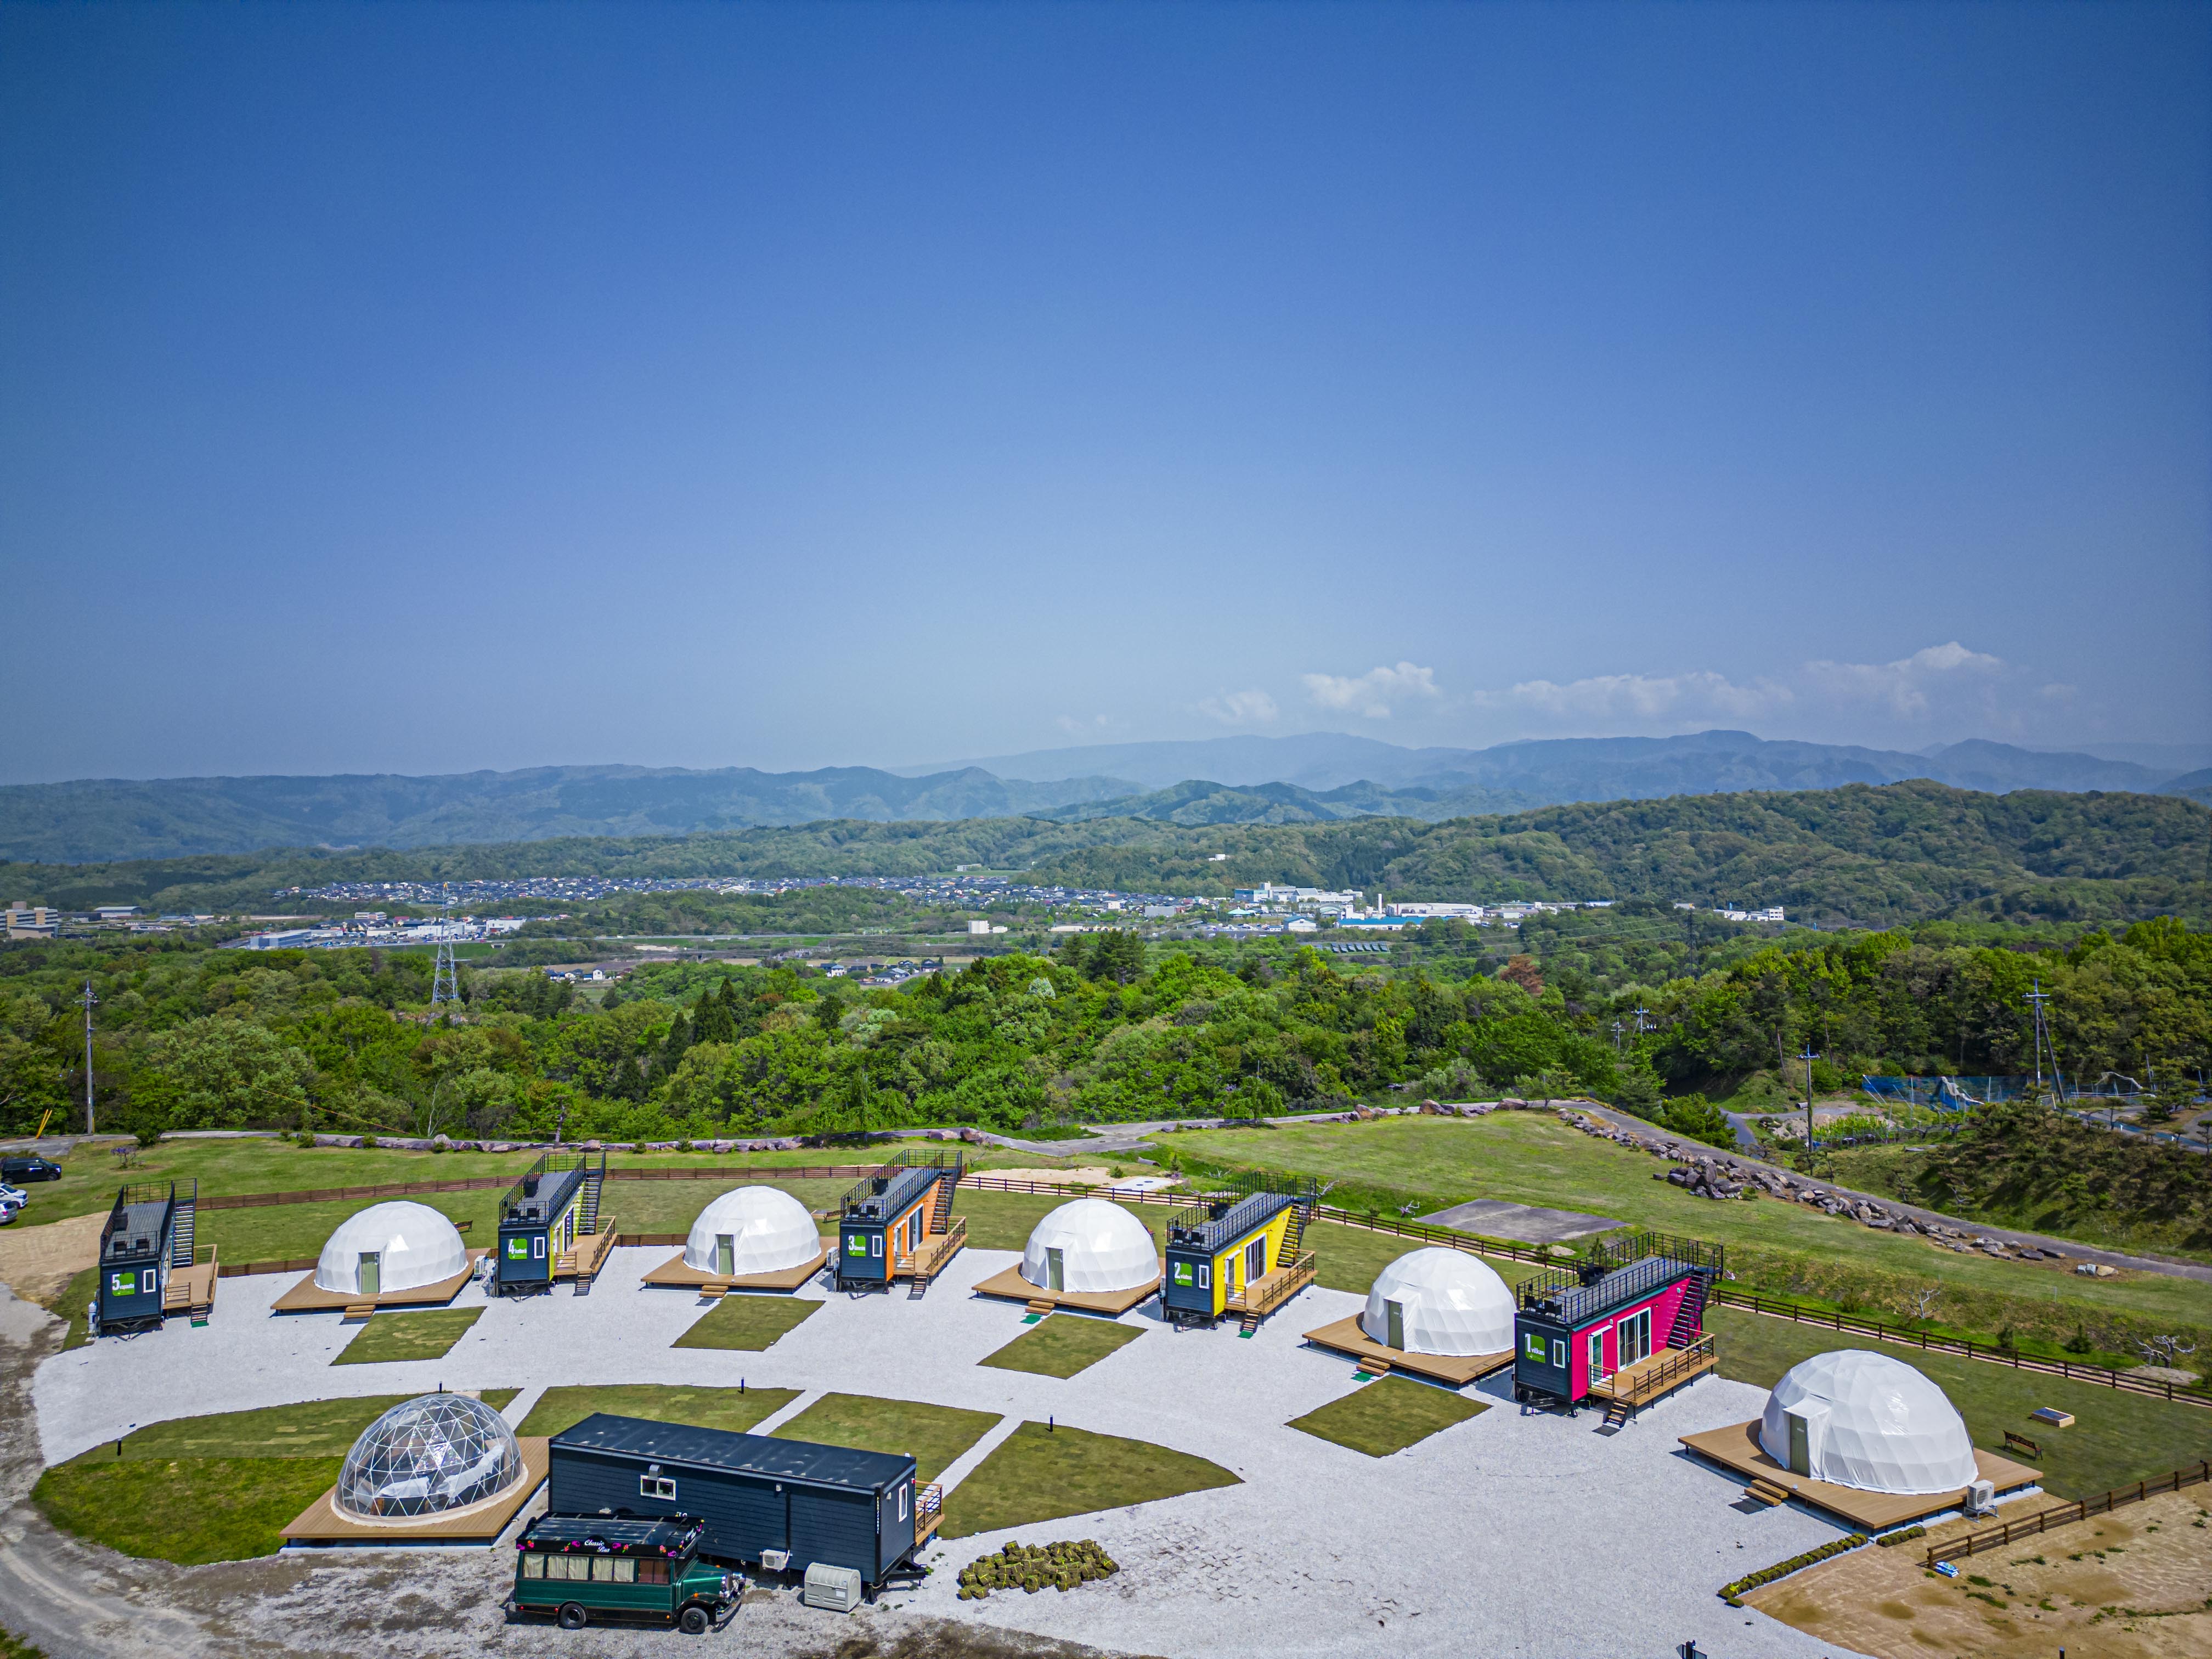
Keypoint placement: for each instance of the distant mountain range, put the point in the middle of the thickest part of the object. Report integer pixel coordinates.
(1318, 778)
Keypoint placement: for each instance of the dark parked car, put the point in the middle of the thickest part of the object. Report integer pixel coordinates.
(29, 1168)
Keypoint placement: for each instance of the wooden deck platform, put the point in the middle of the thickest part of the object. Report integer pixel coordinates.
(673, 1275)
(1013, 1287)
(589, 1255)
(1641, 1383)
(1736, 1449)
(191, 1291)
(322, 1524)
(1455, 1370)
(307, 1297)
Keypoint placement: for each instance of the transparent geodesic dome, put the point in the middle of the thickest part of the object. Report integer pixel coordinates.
(442, 1451)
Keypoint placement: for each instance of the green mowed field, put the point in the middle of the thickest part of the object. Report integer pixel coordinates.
(934, 1436)
(1040, 1475)
(200, 1489)
(1062, 1344)
(1387, 1415)
(1531, 1157)
(2116, 1437)
(748, 1323)
(429, 1335)
(734, 1409)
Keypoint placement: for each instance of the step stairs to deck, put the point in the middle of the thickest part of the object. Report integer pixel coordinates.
(587, 1207)
(930, 1260)
(1689, 1314)
(180, 1237)
(940, 1209)
(1767, 1492)
(357, 1310)
(1616, 1413)
(1294, 1232)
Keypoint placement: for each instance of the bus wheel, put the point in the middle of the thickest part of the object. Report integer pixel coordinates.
(693, 1621)
(571, 1616)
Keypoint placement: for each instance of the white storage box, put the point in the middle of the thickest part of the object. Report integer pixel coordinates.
(838, 1588)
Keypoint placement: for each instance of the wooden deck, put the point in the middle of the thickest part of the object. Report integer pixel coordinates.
(589, 1256)
(1641, 1383)
(673, 1274)
(1270, 1290)
(307, 1297)
(1736, 1449)
(936, 1251)
(322, 1524)
(1455, 1370)
(191, 1291)
(1013, 1287)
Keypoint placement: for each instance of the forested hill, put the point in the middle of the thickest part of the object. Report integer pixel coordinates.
(1873, 855)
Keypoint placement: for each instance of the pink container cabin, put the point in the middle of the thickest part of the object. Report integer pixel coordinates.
(1633, 1298)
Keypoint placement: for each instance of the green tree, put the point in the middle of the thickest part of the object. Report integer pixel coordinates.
(213, 1071)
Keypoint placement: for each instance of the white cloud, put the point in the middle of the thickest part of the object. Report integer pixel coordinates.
(1370, 695)
(1669, 699)
(1252, 708)
(1089, 728)
(1910, 688)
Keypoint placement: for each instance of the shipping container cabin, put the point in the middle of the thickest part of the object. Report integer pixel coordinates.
(893, 1224)
(1238, 1252)
(785, 1504)
(1619, 1328)
(148, 1233)
(542, 1216)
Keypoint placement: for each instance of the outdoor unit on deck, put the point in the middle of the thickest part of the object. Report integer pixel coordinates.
(796, 1503)
(898, 1222)
(1622, 1327)
(1238, 1252)
(148, 1233)
(542, 1216)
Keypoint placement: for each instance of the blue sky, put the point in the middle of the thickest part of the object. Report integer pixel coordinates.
(428, 388)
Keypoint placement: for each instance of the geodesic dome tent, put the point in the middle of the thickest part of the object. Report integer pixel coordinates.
(395, 1247)
(1863, 1419)
(424, 1457)
(1097, 1249)
(1447, 1302)
(767, 1231)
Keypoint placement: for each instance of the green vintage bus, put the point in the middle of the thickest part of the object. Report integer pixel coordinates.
(581, 1569)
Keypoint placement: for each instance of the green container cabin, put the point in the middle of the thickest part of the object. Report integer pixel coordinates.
(148, 1233)
(589, 1569)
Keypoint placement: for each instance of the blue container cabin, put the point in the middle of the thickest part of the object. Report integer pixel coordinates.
(148, 1233)
(541, 1217)
(885, 1221)
(785, 1504)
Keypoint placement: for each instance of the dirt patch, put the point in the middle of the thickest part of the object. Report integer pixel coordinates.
(1087, 1175)
(38, 1262)
(2132, 1584)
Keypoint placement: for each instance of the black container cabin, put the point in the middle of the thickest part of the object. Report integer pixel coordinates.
(1635, 1300)
(542, 1216)
(757, 1495)
(886, 1220)
(148, 1233)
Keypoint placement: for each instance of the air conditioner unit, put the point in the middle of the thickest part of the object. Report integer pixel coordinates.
(1981, 1498)
(836, 1588)
(774, 1560)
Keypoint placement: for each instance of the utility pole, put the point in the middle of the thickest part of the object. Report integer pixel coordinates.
(2036, 999)
(89, 1001)
(1690, 935)
(1807, 1058)
(445, 979)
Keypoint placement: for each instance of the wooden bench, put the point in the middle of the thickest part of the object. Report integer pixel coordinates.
(2017, 1442)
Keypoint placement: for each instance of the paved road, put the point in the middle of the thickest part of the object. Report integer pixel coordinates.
(2148, 1264)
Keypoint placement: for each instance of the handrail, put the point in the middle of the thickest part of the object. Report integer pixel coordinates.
(2064, 1515)
(1297, 1277)
(1664, 1376)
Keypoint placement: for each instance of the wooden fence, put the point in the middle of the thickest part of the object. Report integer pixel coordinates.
(2066, 1514)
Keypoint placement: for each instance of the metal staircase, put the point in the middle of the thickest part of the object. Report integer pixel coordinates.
(1689, 1313)
(1294, 1232)
(588, 1205)
(180, 1234)
(940, 1210)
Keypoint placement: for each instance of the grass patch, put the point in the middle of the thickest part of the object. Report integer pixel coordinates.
(933, 1435)
(1387, 1415)
(2117, 1438)
(1040, 1475)
(391, 1336)
(193, 1490)
(747, 1322)
(1063, 1344)
(734, 1409)
(75, 1305)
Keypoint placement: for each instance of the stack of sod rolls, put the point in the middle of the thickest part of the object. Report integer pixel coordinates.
(1033, 1567)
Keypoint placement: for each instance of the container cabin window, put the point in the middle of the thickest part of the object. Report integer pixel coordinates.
(1205, 1277)
(537, 1247)
(902, 1497)
(534, 1566)
(1559, 1352)
(875, 1244)
(655, 1486)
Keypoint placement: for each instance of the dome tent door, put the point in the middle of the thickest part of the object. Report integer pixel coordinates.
(725, 1253)
(1393, 1314)
(1806, 1419)
(1055, 1267)
(370, 1272)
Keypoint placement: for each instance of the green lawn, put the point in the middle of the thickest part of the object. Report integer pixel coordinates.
(2116, 1437)
(749, 1322)
(934, 1436)
(734, 1409)
(198, 1489)
(1388, 1415)
(1063, 1344)
(1531, 1157)
(75, 1305)
(426, 1335)
(1040, 1475)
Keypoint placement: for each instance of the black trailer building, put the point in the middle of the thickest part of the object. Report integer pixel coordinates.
(148, 1233)
(542, 1216)
(783, 1503)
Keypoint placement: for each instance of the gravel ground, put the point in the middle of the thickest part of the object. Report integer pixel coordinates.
(1512, 1533)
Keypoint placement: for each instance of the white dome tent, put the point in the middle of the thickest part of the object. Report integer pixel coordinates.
(428, 1457)
(1862, 1420)
(1439, 1301)
(390, 1247)
(1090, 1247)
(752, 1229)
